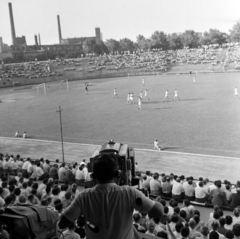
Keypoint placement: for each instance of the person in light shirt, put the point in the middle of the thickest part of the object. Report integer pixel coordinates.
(39, 171)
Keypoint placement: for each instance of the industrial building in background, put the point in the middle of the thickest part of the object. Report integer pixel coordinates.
(20, 49)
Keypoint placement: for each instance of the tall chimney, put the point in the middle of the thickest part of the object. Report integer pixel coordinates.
(12, 24)
(36, 40)
(59, 30)
(39, 39)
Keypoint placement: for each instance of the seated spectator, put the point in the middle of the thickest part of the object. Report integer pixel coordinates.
(199, 223)
(204, 232)
(3, 233)
(177, 231)
(158, 225)
(173, 222)
(172, 204)
(193, 232)
(184, 232)
(229, 234)
(177, 190)
(145, 185)
(55, 195)
(236, 217)
(213, 235)
(217, 196)
(136, 223)
(228, 193)
(62, 193)
(167, 188)
(70, 233)
(189, 190)
(59, 208)
(235, 197)
(67, 199)
(214, 227)
(46, 166)
(151, 228)
(53, 173)
(183, 215)
(221, 228)
(236, 230)
(201, 194)
(62, 173)
(228, 222)
(155, 185)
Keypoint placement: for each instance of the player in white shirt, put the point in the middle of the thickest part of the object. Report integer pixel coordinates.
(156, 145)
(16, 134)
(176, 95)
(141, 95)
(194, 79)
(166, 95)
(235, 91)
(24, 135)
(143, 82)
(139, 103)
(146, 94)
(131, 98)
(115, 93)
(128, 99)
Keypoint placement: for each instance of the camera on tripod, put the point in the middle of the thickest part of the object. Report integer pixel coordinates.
(125, 160)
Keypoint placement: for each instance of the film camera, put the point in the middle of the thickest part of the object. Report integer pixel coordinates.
(125, 159)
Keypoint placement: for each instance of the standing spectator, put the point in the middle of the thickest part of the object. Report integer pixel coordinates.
(110, 201)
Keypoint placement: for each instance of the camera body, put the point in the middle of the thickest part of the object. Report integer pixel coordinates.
(125, 160)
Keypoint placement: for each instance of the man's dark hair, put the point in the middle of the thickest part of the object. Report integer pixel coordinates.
(229, 234)
(17, 191)
(213, 235)
(104, 167)
(163, 202)
(57, 201)
(178, 226)
(183, 214)
(205, 231)
(229, 220)
(166, 210)
(222, 221)
(216, 215)
(174, 218)
(176, 210)
(24, 185)
(236, 230)
(196, 212)
(185, 231)
(136, 217)
(196, 219)
(55, 191)
(186, 202)
(11, 188)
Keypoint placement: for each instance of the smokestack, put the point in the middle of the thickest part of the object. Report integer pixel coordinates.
(39, 39)
(59, 29)
(36, 40)
(12, 24)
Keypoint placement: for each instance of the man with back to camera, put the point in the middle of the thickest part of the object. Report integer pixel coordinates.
(108, 206)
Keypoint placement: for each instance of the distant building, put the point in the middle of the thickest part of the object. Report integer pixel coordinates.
(1, 45)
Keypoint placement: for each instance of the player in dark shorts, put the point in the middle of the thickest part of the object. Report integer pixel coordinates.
(86, 88)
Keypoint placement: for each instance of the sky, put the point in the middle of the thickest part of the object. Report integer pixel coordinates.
(117, 19)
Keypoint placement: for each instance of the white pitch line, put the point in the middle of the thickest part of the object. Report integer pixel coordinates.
(137, 149)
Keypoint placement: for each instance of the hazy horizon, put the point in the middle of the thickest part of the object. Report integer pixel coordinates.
(117, 19)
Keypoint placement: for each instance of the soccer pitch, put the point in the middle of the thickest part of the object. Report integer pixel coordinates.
(204, 121)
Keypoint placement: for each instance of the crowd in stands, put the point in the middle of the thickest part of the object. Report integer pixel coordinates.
(27, 70)
(152, 60)
(55, 185)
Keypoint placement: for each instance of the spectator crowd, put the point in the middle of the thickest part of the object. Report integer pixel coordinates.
(56, 185)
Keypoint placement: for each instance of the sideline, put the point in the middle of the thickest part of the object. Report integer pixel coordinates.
(136, 149)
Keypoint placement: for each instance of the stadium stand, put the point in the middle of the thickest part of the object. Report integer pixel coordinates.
(34, 184)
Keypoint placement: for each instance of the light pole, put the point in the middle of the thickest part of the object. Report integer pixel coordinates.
(60, 115)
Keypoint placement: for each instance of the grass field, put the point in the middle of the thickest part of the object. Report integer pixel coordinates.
(205, 120)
